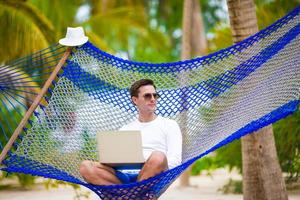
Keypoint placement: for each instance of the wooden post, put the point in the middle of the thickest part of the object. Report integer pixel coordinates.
(34, 104)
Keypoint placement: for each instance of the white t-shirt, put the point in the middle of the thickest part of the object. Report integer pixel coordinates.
(161, 134)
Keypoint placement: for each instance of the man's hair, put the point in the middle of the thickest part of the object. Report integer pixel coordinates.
(134, 89)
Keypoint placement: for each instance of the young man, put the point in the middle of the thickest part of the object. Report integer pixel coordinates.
(161, 140)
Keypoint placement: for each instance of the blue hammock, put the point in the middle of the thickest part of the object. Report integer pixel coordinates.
(215, 99)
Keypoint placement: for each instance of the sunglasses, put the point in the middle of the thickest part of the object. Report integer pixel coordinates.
(148, 96)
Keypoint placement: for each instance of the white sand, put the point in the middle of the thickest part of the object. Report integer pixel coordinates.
(203, 187)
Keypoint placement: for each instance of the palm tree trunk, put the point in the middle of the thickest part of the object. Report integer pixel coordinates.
(199, 41)
(186, 53)
(262, 175)
(186, 30)
(194, 43)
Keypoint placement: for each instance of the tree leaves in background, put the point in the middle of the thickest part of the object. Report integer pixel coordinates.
(287, 138)
(286, 131)
(24, 30)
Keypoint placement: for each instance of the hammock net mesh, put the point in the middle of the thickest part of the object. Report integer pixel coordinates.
(215, 99)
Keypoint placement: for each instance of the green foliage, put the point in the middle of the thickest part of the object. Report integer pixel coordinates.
(287, 137)
(268, 11)
(167, 16)
(286, 131)
(233, 187)
(136, 38)
(26, 181)
(213, 13)
(208, 164)
(21, 35)
(8, 120)
(79, 193)
(60, 20)
(230, 155)
(222, 38)
(227, 156)
(147, 31)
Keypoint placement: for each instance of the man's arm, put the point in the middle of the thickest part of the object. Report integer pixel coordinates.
(174, 144)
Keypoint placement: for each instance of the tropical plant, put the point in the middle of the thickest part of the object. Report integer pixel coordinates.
(285, 131)
(26, 30)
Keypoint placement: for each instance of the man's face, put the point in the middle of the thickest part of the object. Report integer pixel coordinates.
(146, 101)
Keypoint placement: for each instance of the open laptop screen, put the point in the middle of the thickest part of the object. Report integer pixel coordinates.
(120, 148)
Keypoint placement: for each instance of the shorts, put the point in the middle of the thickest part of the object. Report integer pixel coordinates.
(127, 177)
(128, 174)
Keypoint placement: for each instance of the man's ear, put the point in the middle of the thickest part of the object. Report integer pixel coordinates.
(134, 99)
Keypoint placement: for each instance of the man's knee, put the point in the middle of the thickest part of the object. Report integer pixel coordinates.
(86, 168)
(158, 160)
(90, 172)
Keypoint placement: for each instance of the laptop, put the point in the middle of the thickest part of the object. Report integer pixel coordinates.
(121, 149)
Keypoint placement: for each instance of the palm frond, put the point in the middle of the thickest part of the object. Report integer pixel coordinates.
(21, 35)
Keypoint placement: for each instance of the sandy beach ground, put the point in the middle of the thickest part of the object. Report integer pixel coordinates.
(203, 187)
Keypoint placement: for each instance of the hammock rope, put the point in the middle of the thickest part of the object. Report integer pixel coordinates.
(218, 98)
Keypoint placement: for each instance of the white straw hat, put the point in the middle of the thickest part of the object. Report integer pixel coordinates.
(74, 37)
